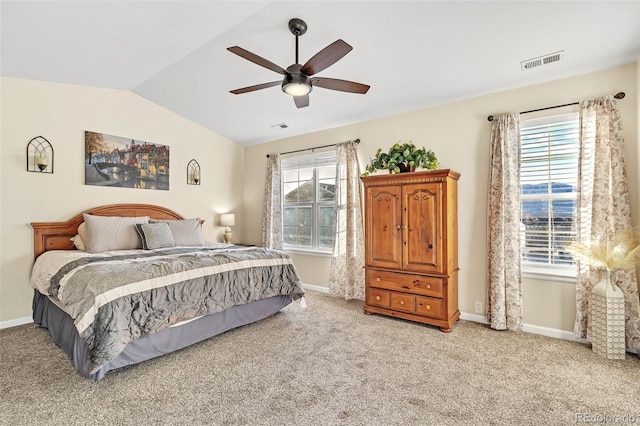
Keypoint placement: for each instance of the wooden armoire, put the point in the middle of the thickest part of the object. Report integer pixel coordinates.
(411, 246)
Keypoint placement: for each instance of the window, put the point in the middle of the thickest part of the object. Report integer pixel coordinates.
(308, 188)
(548, 193)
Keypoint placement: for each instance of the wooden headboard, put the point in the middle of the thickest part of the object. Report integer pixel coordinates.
(57, 235)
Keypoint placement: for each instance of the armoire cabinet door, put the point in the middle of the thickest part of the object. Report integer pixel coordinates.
(383, 226)
(422, 228)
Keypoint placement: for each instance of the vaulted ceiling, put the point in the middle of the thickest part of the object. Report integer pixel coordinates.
(413, 54)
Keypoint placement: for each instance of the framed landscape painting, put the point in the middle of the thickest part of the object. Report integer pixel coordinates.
(125, 163)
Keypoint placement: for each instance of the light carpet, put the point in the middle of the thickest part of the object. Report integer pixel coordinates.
(328, 364)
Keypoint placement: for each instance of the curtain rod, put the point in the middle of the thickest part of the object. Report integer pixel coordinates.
(619, 95)
(311, 149)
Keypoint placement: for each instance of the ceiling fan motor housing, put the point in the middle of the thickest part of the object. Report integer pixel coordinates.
(295, 83)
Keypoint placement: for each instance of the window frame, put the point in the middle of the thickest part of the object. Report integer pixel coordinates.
(538, 270)
(314, 161)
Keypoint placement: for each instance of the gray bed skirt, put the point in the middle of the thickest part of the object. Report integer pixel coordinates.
(61, 328)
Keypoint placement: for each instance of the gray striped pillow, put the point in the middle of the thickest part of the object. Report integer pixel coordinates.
(155, 235)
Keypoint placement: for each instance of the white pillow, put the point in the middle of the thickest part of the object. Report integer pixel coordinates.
(107, 233)
(78, 243)
(187, 232)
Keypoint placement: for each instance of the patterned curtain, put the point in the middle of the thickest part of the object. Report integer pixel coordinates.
(603, 207)
(346, 278)
(504, 306)
(272, 209)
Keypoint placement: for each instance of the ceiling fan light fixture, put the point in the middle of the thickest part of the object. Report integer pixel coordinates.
(296, 83)
(296, 89)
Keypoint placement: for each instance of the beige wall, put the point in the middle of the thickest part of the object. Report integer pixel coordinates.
(459, 135)
(457, 132)
(62, 113)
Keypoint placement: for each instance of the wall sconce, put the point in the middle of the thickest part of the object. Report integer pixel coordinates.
(193, 173)
(39, 155)
(227, 220)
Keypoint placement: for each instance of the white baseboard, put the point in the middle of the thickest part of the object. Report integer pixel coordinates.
(535, 329)
(528, 328)
(15, 322)
(315, 288)
(473, 318)
(552, 332)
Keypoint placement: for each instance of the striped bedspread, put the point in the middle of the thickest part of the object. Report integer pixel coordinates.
(115, 297)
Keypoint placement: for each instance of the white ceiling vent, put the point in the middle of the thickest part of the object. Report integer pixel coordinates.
(279, 126)
(541, 60)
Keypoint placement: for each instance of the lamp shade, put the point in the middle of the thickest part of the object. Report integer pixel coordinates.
(228, 219)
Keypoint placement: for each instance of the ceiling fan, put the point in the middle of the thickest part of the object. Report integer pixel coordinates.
(298, 79)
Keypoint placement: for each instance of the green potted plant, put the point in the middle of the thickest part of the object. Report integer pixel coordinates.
(402, 157)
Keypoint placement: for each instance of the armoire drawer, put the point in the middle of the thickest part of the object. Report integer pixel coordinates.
(429, 307)
(403, 302)
(416, 284)
(376, 297)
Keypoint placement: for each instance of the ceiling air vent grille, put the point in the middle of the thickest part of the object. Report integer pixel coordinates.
(541, 60)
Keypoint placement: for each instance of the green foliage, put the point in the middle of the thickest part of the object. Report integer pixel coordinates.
(405, 154)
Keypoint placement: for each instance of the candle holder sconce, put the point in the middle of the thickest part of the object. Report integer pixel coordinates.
(39, 155)
(193, 173)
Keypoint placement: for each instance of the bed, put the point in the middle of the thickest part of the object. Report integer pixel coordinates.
(108, 309)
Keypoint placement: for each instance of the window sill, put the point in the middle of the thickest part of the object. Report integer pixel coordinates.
(308, 252)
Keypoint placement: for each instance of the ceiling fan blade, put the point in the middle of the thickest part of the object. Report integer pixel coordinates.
(326, 57)
(341, 85)
(256, 59)
(256, 87)
(301, 101)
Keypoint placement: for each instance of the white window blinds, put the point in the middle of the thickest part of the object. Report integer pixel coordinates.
(548, 191)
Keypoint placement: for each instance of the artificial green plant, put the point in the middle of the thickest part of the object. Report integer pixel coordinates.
(402, 154)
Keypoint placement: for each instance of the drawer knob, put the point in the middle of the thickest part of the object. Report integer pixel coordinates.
(427, 307)
(377, 278)
(377, 297)
(402, 302)
(428, 285)
(430, 246)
